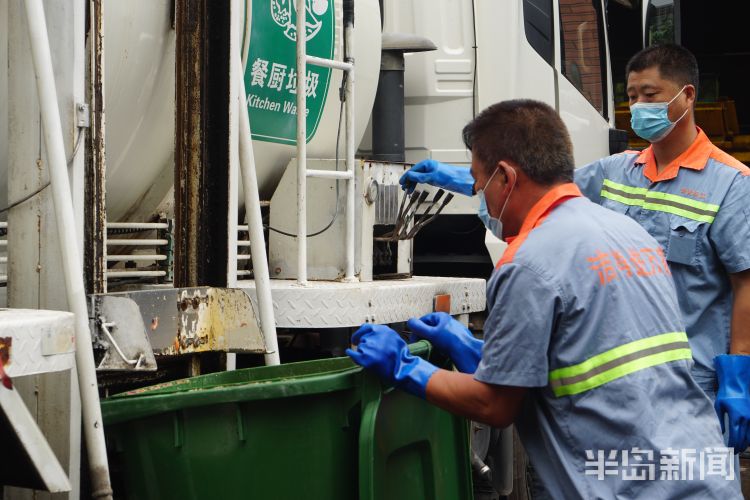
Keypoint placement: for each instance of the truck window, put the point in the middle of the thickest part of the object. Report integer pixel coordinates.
(625, 37)
(537, 23)
(660, 23)
(582, 49)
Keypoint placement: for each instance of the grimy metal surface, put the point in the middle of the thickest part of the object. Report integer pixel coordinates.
(201, 142)
(95, 246)
(191, 320)
(327, 304)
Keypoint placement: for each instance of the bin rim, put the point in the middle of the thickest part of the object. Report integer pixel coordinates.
(183, 395)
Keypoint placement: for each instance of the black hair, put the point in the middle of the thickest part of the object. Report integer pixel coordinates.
(674, 62)
(528, 133)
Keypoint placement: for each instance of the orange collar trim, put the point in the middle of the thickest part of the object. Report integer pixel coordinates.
(695, 158)
(536, 216)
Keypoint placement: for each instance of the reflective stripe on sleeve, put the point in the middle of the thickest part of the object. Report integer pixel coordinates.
(619, 362)
(659, 202)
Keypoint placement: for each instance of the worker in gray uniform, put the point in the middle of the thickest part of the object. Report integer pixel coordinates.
(584, 348)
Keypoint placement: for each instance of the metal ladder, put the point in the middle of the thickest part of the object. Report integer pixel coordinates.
(302, 172)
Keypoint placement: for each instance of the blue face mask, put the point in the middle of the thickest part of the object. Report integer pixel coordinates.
(494, 225)
(650, 120)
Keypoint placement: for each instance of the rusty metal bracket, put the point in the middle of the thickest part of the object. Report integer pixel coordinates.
(180, 321)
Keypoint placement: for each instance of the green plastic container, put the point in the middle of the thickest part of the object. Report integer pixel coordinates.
(313, 430)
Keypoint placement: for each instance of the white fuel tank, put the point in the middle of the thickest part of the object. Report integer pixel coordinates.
(140, 94)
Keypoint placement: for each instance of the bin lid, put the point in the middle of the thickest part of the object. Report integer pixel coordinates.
(250, 384)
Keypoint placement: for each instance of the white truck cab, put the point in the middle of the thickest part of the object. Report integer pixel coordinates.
(553, 51)
(489, 51)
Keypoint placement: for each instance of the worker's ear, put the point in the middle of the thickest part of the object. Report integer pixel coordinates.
(690, 94)
(509, 171)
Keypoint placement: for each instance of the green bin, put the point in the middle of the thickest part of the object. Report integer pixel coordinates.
(313, 430)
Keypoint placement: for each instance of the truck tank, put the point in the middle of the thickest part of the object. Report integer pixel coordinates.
(140, 97)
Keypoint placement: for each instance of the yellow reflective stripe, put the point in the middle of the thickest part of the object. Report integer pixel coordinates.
(657, 207)
(626, 188)
(625, 201)
(708, 207)
(660, 202)
(618, 352)
(621, 371)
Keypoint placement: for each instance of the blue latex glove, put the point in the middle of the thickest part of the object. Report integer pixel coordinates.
(450, 338)
(383, 351)
(733, 398)
(442, 175)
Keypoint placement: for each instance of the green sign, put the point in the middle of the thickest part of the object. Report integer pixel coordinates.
(271, 70)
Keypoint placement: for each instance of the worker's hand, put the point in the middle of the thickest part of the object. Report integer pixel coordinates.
(382, 350)
(450, 338)
(442, 175)
(733, 399)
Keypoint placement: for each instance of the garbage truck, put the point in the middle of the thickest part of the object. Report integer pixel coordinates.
(189, 224)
